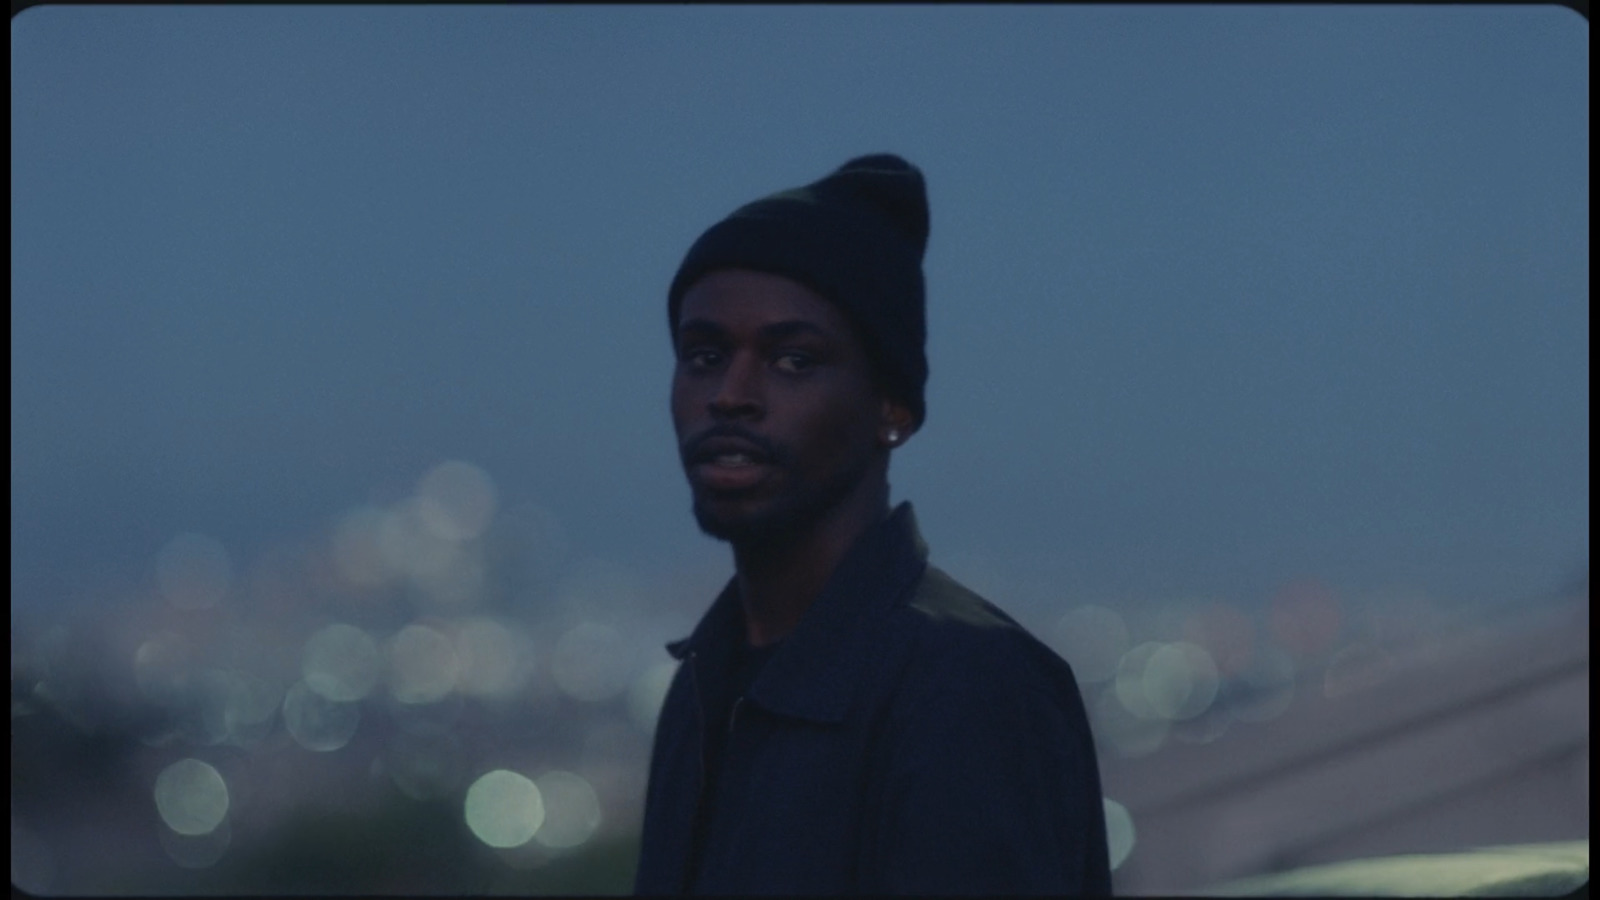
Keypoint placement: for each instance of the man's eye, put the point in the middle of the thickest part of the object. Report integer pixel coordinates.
(701, 358)
(795, 362)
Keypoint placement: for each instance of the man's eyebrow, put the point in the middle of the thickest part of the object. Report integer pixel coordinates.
(701, 326)
(778, 331)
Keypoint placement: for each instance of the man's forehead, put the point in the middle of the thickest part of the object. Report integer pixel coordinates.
(743, 300)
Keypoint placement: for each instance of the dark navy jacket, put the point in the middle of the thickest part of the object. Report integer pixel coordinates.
(906, 737)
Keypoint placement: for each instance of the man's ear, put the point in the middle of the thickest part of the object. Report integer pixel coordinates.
(895, 423)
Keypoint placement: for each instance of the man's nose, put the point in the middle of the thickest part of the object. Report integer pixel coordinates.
(740, 390)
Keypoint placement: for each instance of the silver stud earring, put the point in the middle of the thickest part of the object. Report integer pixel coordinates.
(894, 436)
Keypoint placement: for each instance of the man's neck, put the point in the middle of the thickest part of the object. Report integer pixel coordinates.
(779, 580)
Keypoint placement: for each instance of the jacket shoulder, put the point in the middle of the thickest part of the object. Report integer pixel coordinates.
(939, 597)
(956, 628)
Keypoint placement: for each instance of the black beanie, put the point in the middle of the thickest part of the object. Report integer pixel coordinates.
(857, 238)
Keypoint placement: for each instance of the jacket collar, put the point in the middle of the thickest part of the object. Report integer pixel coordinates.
(816, 669)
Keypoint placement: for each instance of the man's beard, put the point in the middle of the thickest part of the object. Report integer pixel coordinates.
(786, 516)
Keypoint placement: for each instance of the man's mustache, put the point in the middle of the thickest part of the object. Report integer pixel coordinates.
(691, 448)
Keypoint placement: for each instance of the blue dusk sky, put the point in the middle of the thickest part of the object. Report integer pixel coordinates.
(1218, 297)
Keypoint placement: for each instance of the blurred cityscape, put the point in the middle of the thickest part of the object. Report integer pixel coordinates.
(432, 696)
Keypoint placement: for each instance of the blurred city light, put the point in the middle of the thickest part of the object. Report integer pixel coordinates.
(162, 668)
(1130, 680)
(495, 660)
(439, 716)
(1092, 640)
(251, 707)
(571, 810)
(1120, 835)
(457, 500)
(1180, 681)
(648, 693)
(193, 571)
(191, 797)
(196, 851)
(410, 546)
(460, 681)
(317, 723)
(504, 809)
(590, 663)
(341, 662)
(422, 665)
(207, 719)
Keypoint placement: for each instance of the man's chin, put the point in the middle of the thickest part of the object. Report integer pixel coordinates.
(768, 515)
(745, 526)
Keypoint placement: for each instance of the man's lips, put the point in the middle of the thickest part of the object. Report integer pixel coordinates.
(728, 450)
(730, 472)
(728, 460)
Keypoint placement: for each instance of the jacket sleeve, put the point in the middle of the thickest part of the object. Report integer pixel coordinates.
(989, 784)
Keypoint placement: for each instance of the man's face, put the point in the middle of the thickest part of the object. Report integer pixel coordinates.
(774, 403)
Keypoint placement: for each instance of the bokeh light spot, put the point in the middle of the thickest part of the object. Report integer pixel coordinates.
(495, 661)
(193, 571)
(409, 546)
(590, 662)
(197, 851)
(341, 662)
(209, 706)
(1130, 681)
(252, 703)
(504, 809)
(162, 668)
(1180, 681)
(317, 723)
(1092, 639)
(1120, 835)
(422, 665)
(571, 810)
(457, 500)
(191, 797)
(648, 693)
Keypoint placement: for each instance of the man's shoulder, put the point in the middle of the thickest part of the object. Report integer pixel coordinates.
(955, 627)
(966, 661)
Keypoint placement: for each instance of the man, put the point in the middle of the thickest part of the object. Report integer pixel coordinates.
(846, 718)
